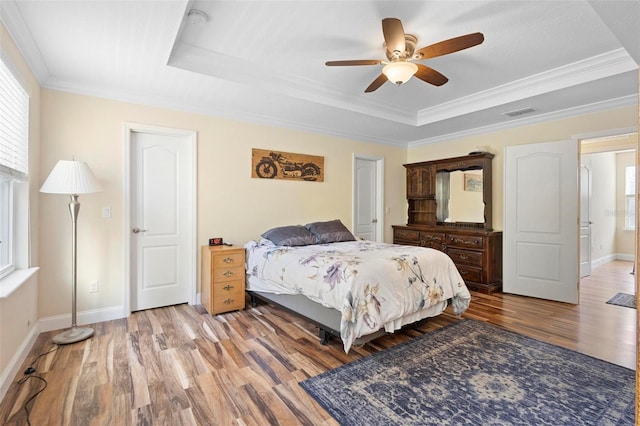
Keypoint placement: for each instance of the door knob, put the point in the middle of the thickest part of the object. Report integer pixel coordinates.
(137, 230)
(374, 220)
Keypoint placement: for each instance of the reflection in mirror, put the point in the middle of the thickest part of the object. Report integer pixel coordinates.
(459, 196)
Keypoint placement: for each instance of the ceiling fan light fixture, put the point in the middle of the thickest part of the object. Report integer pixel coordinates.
(399, 72)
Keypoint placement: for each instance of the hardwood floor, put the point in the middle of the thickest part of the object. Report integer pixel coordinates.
(179, 365)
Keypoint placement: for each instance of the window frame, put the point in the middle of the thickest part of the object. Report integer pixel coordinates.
(14, 169)
(630, 198)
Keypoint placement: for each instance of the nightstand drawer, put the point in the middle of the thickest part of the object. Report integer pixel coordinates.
(465, 257)
(227, 274)
(222, 278)
(228, 260)
(228, 287)
(228, 302)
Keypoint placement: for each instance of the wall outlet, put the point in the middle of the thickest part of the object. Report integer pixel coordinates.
(93, 286)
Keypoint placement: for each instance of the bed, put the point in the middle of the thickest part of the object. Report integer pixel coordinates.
(351, 288)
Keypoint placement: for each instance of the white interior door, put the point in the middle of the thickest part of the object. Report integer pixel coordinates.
(367, 213)
(541, 221)
(162, 238)
(585, 221)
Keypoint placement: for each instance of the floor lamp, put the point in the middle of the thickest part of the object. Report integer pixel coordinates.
(72, 178)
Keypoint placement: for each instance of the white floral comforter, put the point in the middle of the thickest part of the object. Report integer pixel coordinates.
(372, 284)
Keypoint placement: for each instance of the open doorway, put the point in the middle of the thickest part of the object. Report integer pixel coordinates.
(607, 222)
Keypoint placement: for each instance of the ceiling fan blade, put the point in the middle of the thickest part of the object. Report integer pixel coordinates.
(430, 75)
(393, 35)
(354, 62)
(376, 83)
(449, 46)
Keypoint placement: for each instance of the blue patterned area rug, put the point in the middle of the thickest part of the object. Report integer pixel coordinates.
(474, 373)
(623, 299)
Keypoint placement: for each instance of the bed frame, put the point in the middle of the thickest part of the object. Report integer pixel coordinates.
(326, 319)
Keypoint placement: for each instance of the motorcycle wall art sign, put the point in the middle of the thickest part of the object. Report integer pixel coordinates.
(267, 164)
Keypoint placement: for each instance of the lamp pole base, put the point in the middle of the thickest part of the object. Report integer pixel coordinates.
(73, 335)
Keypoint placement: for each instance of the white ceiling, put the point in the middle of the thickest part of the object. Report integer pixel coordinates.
(263, 61)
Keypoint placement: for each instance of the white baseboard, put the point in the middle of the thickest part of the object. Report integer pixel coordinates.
(58, 322)
(11, 371)
(611, 257)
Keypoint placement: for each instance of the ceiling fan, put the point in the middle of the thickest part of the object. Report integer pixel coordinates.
(401, 51)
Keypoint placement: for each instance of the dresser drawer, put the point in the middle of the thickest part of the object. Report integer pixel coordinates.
(227, 274)
(466, 241)
(406, 235)
(228, 260)
(432, 238)
(469, 273)
(466, 257)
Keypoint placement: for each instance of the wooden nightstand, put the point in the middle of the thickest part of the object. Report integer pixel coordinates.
(222, 278)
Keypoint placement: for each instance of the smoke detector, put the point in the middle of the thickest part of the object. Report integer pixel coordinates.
(197, 17)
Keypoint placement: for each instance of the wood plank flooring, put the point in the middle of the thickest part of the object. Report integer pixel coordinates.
(179, 365)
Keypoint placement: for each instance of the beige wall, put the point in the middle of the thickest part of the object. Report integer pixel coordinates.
(230, 203)
(543, 132)
(18, 312)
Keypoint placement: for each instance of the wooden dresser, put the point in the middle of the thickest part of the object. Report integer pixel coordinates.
(473, 246)
(477, 253)
(222, 278)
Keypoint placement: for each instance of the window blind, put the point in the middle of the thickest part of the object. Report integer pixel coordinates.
(14, 126)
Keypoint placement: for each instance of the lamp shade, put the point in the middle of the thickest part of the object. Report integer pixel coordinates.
(71, 177)
(399, 72)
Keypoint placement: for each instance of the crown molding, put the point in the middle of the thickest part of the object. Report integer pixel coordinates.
(605, 65)
(12, 20)
(224, 113)
(622, 102)
(230, 68)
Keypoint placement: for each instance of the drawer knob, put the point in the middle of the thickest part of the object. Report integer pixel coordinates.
(228, 287)
(228, 301)
(228, 260)
(228, 274)
(463, 257)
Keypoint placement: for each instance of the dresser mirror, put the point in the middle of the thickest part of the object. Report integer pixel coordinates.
(459, 196)
(451, 192)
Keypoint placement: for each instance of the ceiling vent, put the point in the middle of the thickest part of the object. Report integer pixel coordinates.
(519, 112)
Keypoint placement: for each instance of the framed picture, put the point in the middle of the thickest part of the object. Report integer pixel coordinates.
(473, 182)
(269, 164)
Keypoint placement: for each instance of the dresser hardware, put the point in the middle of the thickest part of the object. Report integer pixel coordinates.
(228, 260)
(228, 287)
(228, 301)
(228, 274)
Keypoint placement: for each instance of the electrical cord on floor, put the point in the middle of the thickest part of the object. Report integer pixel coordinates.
(29, 374)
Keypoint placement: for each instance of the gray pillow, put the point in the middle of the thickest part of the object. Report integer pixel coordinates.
(294, 235)
(332, 231)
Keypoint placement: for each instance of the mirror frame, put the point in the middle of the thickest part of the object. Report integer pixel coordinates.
(473, 161)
